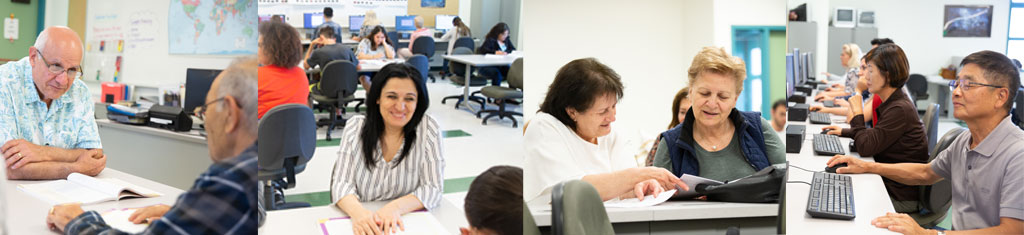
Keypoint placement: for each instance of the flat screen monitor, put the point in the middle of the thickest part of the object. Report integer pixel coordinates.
(810, 65)
(806, 66)
(405, 23)
(443, 22)
(797, 66)
(355, 23)
(197, 84)
(790, 75)
(312, 20)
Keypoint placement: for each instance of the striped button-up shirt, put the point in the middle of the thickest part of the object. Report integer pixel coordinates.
(222, 201)
(421, 173)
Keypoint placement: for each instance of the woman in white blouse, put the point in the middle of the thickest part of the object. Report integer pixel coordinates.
(571, 138)
(392, 154)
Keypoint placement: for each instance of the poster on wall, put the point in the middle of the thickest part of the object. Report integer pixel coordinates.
(432, 3)
(967, 21)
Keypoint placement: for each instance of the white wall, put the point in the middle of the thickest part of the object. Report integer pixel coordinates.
(652, 66)
(56, 13)
(728, 13)
(916, 26)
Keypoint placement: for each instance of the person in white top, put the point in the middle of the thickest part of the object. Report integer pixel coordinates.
(460, 30)
(571, 138)
(392, 154)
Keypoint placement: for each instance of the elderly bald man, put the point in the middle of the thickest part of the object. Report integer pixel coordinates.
(47, 126)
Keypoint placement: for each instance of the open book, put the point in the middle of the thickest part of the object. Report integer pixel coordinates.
(420, 222)
(118, 218)
(86, 190)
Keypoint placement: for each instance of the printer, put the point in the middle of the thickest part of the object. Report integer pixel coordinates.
(170, 118)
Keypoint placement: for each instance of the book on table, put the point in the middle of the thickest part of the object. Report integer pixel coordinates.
(86, 190)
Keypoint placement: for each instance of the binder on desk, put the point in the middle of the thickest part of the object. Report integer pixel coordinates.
(419, 222)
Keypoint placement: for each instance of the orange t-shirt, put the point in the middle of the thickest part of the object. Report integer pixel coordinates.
(281, 86)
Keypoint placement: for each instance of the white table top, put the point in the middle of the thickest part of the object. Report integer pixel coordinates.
(304, 220)
(26, 214)
(673, 210)
(485, 60)
(936, 79)
(376, 65)
(190, 136)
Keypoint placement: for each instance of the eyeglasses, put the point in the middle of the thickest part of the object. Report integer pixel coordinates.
(73, 72)
(201, 110)
(966, 85)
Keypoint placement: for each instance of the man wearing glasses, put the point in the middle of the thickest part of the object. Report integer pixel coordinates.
(47, 128)
(985, 165)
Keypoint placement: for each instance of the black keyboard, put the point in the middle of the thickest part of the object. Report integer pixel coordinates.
(829, 104)
(820, 118)
(831, 197)
(827, 145)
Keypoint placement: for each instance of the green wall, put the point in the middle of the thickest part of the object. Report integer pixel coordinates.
(28, 18)
(777, 57)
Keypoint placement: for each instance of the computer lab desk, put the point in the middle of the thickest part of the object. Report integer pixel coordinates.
(869, 195)
(689, 217)
(173, 158)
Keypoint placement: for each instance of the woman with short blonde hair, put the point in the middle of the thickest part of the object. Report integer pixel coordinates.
(850, 59)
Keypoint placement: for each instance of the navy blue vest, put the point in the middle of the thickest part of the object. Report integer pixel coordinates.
(680, 143)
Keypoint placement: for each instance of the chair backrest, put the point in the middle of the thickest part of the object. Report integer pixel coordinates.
(1020, 107)
(937, 197)
(529, 225)
(393, 36)
(576, 208)
(289, 134)
(422, 65)
(515, 74)
(456, 68)
(466, 42)
(423, 45)
(931, 124)
(339, 79)
(917, 84)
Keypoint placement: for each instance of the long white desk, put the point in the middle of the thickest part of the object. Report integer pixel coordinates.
(479, 61)
(174, 158)
(304, 220)
(691, 216)
(26, 214)
(871, 199)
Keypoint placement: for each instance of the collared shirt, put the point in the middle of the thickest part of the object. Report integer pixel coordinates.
(68, 123)
(988, 181)
(421, 173)
(222, 201)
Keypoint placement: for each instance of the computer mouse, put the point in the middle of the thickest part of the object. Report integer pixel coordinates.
(833, 168)
(853, 147)
(825, 131)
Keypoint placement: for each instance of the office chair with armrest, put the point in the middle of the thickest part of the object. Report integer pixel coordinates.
(286, 144)
(338, 82)
(936, 199)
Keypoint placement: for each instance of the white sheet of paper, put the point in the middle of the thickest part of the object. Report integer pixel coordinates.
(10, 28)
(119, 219)
(415, 223)
(649, 200)
(692, 181)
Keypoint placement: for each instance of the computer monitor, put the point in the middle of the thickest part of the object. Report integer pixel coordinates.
(197, 84)
(444, 22)
(866, 19)
(312, 19)
(355, 23)
(797, 66)
(790, 75)
(807, 67)
(405, 23)
(845, 17)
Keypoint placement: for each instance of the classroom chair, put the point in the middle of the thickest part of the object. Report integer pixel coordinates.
(936, 199)
(466, 42)
(424, 46)
(582, 213)
(529, 225)
(458, 73)
(421, 64)
(286, 145)
(918, 86)
(1019, 111)
(393, 36)
(504, 94)
(931, 124)
(338, 81)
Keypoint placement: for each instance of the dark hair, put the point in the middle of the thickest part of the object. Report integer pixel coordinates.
(499, 28)
(373, 127)
(457, 22)
(682, 94)
(998, 69)
(328, 12)
(327, 32)
(780, 102)
(281, 43)
(378, 29)
(576, 85)
(495, 200)
(891, 62)
(881, 41)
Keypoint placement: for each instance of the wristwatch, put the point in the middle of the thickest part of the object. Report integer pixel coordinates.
(940, 232)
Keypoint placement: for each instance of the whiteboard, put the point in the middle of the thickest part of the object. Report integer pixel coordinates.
(142, 25)
(386, 10)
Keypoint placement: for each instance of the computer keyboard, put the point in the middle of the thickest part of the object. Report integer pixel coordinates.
(827, 145)
(831, 197)
(820, 118)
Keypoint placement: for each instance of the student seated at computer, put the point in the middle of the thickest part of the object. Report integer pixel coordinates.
(420, 32)
(985, 164)
(716, 140)
(281, 80)
(779, 117)
(898, 135)
(370, 21)
(571, 138)
(493, 204)
(329, 51)
(47, 128)
(222, 200)
(328, 23)
(680, 105)
(496, 42)
(850, 59)
(843, 108)
(392, 154)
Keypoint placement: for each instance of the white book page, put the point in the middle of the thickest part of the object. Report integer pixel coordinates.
(649, 200)
(131, 189)
(119, 219)
(692, 181)
(415, 223)
(107, 189)
(63, 191)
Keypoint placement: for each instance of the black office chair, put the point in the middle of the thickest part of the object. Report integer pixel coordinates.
(393, 36)
(466, 42)
(931, 124)
(1019, 111)
(458, 73)
(424, 46)
(918, 86)
(576, 208)
(936, 199)
(423, 66)
(505, 94)
(286, 145)
(338, 81)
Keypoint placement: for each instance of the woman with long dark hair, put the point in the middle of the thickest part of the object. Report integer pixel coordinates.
(496, 42)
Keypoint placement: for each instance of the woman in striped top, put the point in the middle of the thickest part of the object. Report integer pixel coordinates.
(392, 154)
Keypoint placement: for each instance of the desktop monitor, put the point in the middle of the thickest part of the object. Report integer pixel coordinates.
(797, 66)
(844, 17)
(443, 22)
(312, 20)
(806, 66)
(355, 23)
(405, 23)
(810, 65)
(790, 75)
(197, 84)
(866, 19)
